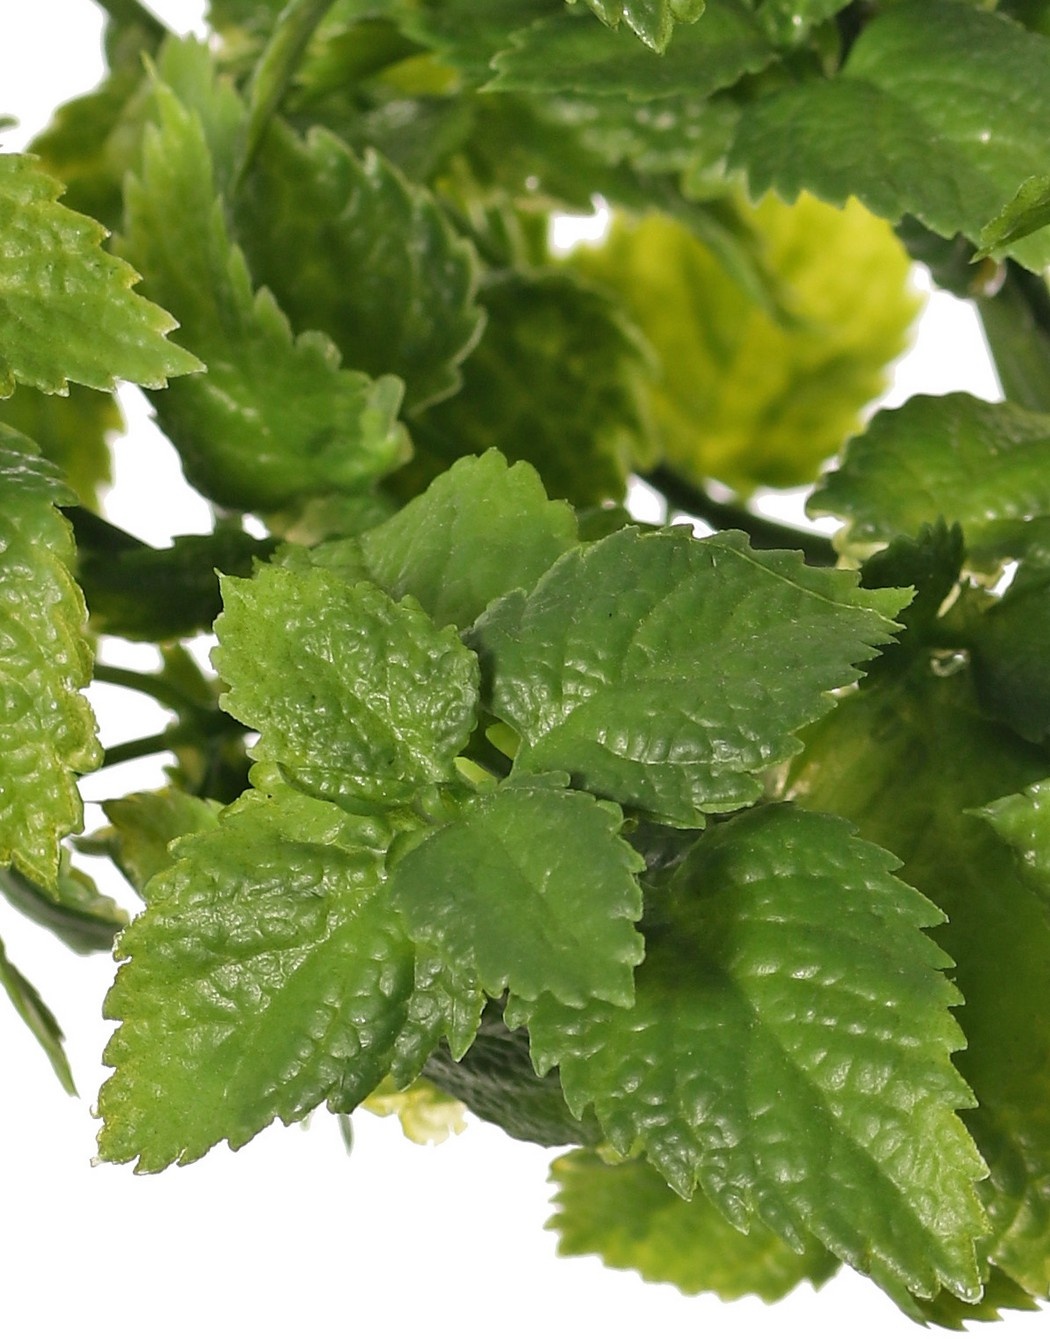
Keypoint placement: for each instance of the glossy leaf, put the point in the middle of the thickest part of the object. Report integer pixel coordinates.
(67, 307)
(533, 889)
(72, 431)
(481, 529)
(652, 20)
(1023, 822)
(48, 731)
(950, 456)
(356, 697)
(628, 1215)
(641, 665)
(1026, 213)
(275, 417)
(745, 393)
(143, 826)
(38, 1018)
(789, 1050)
(267, 975)
(924, 73)
(909, 761)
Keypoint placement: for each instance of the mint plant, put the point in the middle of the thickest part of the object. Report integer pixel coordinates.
(723, 861)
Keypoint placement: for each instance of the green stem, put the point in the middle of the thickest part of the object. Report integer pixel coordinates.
(1016, 323)
(764, 534)
(131, 11)
(164, 693)
(150, 744)
(296, 24)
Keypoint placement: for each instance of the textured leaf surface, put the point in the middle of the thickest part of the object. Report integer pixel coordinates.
(267, 975)
(627, 1214)
(652, 20)
(789, 1049)
(356, 697)
(71, 431)
(667, 672)
(143, 826)
(480, 530)
(47, 731)
(404, 302)
(275, 417)
(745, 394)
(532, 888)
(1023, 822)
(37, 1017)
(579, 415)
(906, 762)
(938, 114)
(560, 54)
(950, 456)
(67, 309)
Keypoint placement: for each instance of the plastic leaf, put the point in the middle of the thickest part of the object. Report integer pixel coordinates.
(480, 530)
(48, 731)
(950, 456)
(532, 888)
(627, 1214)
(71, 430)
(652, 20)
(908, 763)
(427, 1115)
(746, 394)
(1023, 822)
(1009, 648)
(644, 666)
(972, 84)
(73, 909)
(38, 1018)
(66, 306)
(789, 1049)
(1026, 213)
(275, 417)
(267, 975)
(356, 697)
(144, 825)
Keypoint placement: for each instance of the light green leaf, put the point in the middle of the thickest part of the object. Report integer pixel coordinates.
(651, 20)
(950, 456)
(746, 394)
(311, 209)
(1023, 822)
(907, 761)
(275, 417)
(143, 826)
(267, 975)
(643, 665)
(534, 890)
(357, 698)
(579, 415)
(66, 306)
(47, 726)
(71, 430)
(480, 530)
(427, 1115)
(939, 113)
(38, 1018)
(561, 54)
(1026, 213)
(627, 1214)
(789, 1049)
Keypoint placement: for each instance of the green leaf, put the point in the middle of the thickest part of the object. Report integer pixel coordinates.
(267, 975)
(791, 21)
(73, 910)
(144, 825)
(480, 530)
(66, 306)
(579, 416)
(359, 699)
(561, 54)
(532, 889)
(71, 431)
(627, 1214)
(275, 417)
(48, 727)
(38, 1018)
(652, 20)
(641, 665)
(1009, 646)
(938, 113)
(747, 394)
(1023, 822)
(907, 760)
(1026, 213)
(789, 1049)
(468, 35)
(950, 456)
(310, 209)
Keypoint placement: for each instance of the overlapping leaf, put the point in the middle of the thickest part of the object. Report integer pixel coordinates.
(938, 113)
(47, 727)
(789, 1050)
(480, 530)
(667, 673)
(267, 975)
(909, 762)
(1009, 649)
(627, 1214)
(72, 908)
(356, 697)
(71, 431)
(275, 417)
(67, 308)
(144, 825)
(37, 1017)
(652, 20)
(1023, 821)
(950, 456)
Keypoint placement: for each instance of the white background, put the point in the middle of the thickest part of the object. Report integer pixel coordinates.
(290, 1235)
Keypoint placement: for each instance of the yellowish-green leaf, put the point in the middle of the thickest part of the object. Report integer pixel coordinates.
(72, 431)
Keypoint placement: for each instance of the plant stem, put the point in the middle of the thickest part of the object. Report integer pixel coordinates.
(1016, 323)
(150, 744)
(164, 693)
(131, 11)
(764, 534)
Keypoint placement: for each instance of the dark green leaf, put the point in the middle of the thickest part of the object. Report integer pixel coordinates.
(38, 1018)
(1026, 213)
(73, 910)
(1009, 646)
(1023, 822)
(652, 20)
(71, 431)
